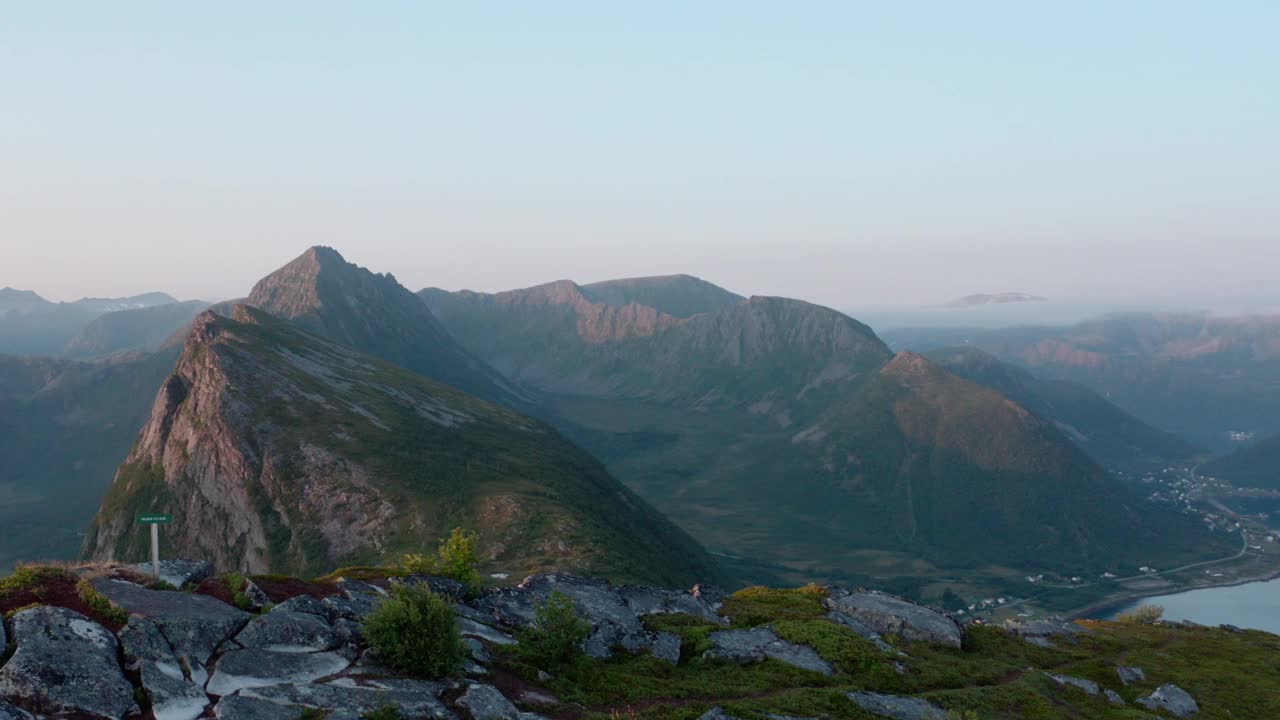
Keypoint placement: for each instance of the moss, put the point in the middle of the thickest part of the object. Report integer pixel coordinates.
(100, 604)
(759, 605)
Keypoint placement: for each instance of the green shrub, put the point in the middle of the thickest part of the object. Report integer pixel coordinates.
(415, 631)
(236, 584)
(556, 636)
(1142, 615)
(455, 558)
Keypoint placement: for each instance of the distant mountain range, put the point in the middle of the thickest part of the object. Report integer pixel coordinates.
(31, 325)
(1199, 376)
(787, 432)
(1003, 298)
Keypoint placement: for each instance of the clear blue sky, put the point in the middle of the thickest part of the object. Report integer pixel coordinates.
(848, 153)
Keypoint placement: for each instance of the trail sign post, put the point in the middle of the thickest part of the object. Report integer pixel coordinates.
(155, 520)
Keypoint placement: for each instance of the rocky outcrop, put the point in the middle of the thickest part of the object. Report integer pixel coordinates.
(255, 668)
(1088, 686)
(194, 625)
(289, 631)
(757, 644)
(179, 573)
(1171, 699)
(1130, 675)
(615, 613)
(897, 707)
(414, 698)
(889, 615)
(65, 663)
(485, 702)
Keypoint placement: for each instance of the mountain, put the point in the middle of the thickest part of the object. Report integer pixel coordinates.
(787, 435)
(676, 295)
(20, 301)
(278, 450)
(1200, 376)
(137, 329)
(323, 293)
(1256, 465)
(64, 428)
(1004, 298)
(31, 325)
(1110, 435)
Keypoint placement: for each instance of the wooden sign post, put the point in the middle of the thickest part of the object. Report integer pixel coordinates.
(155, 521)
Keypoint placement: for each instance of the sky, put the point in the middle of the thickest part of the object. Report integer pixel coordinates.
(853, 154)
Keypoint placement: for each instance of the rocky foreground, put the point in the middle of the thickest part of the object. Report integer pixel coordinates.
(297, 651)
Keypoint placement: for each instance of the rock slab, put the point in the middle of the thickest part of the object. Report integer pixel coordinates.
(897, 707)
(180, 572)
(255, 667)
(485, 702)
(1171, 699)
(66, 662)
(756, 644)
(194, 625)
(889, 615)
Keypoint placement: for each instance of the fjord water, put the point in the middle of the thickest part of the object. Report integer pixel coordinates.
(1253, 605)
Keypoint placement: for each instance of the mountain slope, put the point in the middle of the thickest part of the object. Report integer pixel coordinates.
(31, 325)
(676, 295)
(278, 450)
(788, 433)
(326, 295)
(1197, 375)
(137, 329)
(64, 428)
(1110, 435)
(1256, 465)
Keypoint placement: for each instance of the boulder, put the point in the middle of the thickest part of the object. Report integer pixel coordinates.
(1130, 675)
(615, 613)
(179, 572)
(257, 597)
(478, 651)
(1171, 699)
(13, 712)
(255, 667)
(447, 587)
(173, 696)
(897, 707)
(1113, 697)
(865, 631)
(485, 702)
(285, 631)
(889, 615)
(239, 707)
(64, 661)
(414, 698)
(754, 645)
(1090, 687)
(302, 604)
(194, 625)
(1041, 630)
(666, 646)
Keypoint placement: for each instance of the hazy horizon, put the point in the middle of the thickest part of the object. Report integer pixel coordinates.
(851, 156)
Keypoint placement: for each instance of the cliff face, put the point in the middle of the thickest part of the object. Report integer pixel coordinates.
(277, 451)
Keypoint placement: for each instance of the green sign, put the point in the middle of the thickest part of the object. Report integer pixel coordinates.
(155, 519)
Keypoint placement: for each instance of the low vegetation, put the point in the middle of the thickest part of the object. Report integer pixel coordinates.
(556, 636)
(1142, 615)
(455, 559)
(415, 631)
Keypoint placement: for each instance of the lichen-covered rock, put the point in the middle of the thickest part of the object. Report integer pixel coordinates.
(414, 698)
(889, 615)
(447, 587)
(666, 646)
(288, 632)
(302, 604)
(615, 613)
(1130, 675)
(865, 631)
(254, 667)
(756, 644)
(1113, 697)
(1171, 699)
(485, 702)
(66, 661)
(180, 572)
(194, 625)
(898, 707)
(1090, 687)
(239, 707)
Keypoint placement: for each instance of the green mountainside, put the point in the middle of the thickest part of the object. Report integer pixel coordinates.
(277, 450)
(64, 428)
(786, 435)
(1110, 435)
(1256, 466)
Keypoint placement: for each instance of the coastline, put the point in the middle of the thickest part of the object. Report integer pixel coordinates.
(1115, 603)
